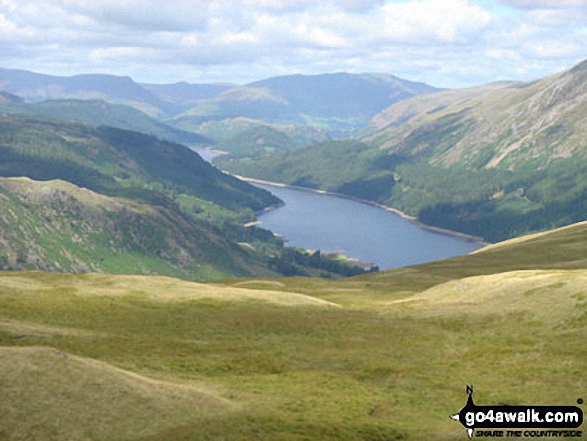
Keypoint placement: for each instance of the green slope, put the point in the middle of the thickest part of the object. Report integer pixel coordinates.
(382, 357)
(245, 137)
(85, 399)
(56, 226)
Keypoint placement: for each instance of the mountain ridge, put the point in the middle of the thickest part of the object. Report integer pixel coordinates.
(98, 112)
(518, 121)
(342, 100)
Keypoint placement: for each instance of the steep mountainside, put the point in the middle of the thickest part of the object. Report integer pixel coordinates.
(506, 126)
(494, 161)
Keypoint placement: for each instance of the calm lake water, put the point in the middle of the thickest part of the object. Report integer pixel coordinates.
(371, 234)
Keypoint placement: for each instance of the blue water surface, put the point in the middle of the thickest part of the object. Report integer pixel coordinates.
(362, 231)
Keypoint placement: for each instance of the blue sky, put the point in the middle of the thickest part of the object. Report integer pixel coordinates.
(446, 43)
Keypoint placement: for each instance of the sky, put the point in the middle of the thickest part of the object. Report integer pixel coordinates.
(445, 43)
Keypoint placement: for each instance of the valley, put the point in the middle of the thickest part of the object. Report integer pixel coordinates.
(140, 301)
(494, 161)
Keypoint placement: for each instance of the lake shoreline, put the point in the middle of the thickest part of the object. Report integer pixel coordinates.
(400, 213)
(411, 219)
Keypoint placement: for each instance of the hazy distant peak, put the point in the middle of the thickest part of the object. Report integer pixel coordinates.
(6, 97)
(244, 93)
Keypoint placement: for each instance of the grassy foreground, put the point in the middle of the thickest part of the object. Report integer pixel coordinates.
(379, 357)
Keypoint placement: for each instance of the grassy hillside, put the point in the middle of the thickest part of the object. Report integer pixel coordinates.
(64, 228)
(86, 399)
(494, 161)
(380, 357)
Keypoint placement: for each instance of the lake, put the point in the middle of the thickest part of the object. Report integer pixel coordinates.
(330, 223)
(362, 231)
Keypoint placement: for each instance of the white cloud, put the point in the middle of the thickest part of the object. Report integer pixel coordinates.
(116, 53)
(11, 32)
(503, 54)
(445, 20)
(552, 49)
(544, 4)
(558, 17)
(444, 42)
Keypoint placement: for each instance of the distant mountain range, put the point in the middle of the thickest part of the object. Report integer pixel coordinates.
(352, 99)
(277, 114)
(38, 87)
(100, 113)
(334, 101)
(495, 161)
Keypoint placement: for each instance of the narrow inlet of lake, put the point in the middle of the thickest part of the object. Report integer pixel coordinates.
(330, 223)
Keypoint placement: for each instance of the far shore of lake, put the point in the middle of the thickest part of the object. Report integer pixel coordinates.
(400, 213)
